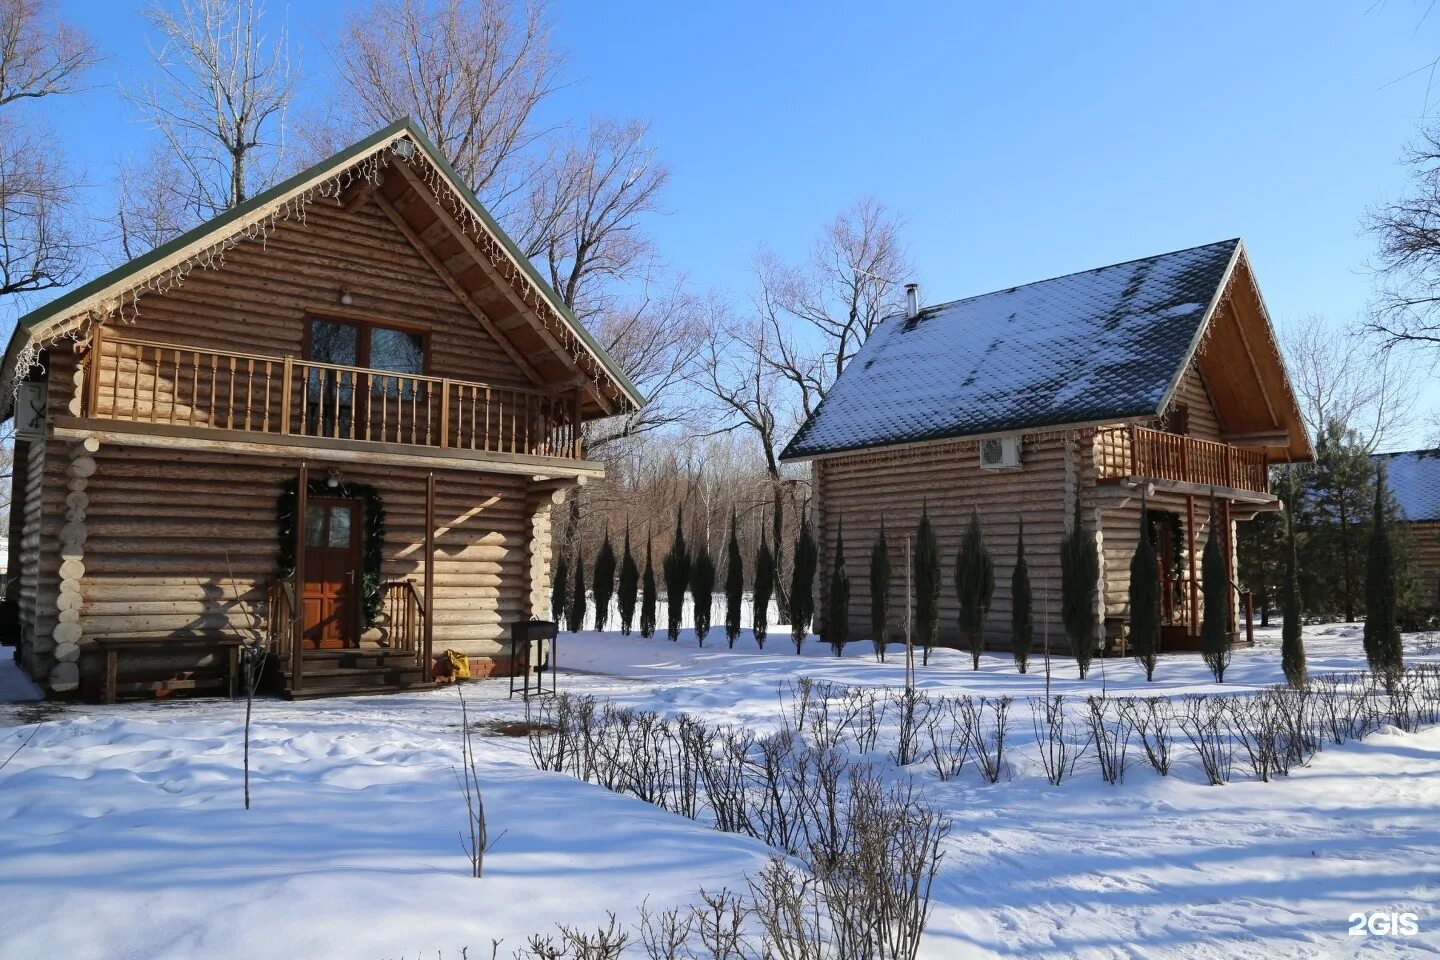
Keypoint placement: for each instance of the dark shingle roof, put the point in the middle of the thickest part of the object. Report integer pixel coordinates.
(1414, 479)
(1099, 345)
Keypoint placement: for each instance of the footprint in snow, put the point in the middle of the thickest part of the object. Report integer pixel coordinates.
(172, 786)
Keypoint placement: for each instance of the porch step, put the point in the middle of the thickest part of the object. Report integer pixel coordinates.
(352, 672)
(316, 693)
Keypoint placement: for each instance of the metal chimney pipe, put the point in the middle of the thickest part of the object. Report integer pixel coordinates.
(912, 300)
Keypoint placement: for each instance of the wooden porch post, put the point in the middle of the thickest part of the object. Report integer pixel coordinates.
(92, 377)
(1190, 552)
(1230, 585)
(428, 640)
(297, 639)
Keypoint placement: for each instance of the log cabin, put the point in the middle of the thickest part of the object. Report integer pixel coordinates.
(336, 417)
(1155, 382)
(1413, 478)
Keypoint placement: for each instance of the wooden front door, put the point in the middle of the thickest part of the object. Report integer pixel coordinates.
(332, 573)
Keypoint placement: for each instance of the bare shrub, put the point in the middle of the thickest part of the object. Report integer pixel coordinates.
(1152, 719)
(475, 839)
(1110, 734)
(912, 708)
(663, 935)
(1203, 720)
(990, 746)
(719, 922)
(952, 735)
(1055, 735)
(1253, 722)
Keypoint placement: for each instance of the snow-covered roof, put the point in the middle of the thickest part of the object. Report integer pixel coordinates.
(1414, 479)
(1105, 344)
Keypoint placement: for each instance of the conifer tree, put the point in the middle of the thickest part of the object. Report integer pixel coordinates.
(1292, 643)
(1079, 584)
(677, 576)
(1382, 632)
(603, 586)
(880, 594)
(575, 612)
(629, 586)
(802, 583)
(734, 582)
(1341, 490)
(837, 598)
(702, 590)
(647, 593)
(1022, 606)
(926, 563)
(762, 591)
(1145, 600)
(560, 591)
(974, 586)
(1215, 602)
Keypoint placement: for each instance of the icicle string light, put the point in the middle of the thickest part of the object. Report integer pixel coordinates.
(124, 304)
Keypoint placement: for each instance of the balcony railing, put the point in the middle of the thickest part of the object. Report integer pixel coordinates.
(161, 383)
(1132, 451)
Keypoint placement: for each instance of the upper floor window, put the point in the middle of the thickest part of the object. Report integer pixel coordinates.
(352, 343)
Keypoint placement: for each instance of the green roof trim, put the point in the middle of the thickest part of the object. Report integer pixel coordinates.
(61, 305)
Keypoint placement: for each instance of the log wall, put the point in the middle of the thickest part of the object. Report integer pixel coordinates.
(1424, 555)
(946, 479)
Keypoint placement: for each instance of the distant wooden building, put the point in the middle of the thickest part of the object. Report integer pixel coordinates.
(338, 415)
(1413, 478)
(1156, 380)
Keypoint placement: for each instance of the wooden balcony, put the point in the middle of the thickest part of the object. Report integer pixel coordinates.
(1133, 451)
(282, 398)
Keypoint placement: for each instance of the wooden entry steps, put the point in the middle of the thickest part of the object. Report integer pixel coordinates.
(355, 672)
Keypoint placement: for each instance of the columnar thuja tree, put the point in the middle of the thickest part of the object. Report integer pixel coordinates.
(1145, 600)
(647, 592)
(1292, 643)
(802, 584)
(629, 586)
(763, 590)
(677, 576)
(926, 563)
(1079, 585)
(1022, 606)
(575, 610)
(560, 590)
(880, 594)
(702, 590)
(974, 586)
(1215, 603)
(603, 587)
(734, 583)
(1382, 633)
(837, 599)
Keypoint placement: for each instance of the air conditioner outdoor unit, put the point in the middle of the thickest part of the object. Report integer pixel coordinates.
(999, 452)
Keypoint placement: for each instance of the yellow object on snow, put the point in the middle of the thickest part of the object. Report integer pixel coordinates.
(459, 664)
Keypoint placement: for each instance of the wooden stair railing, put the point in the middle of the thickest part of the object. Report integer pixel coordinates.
(280, 624)
(404, 623)
(142, 381)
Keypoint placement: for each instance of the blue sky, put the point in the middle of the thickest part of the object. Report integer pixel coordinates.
(1019, 140)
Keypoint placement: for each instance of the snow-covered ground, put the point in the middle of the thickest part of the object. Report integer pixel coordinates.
(122, 833)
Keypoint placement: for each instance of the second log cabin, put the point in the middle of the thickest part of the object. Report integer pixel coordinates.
(338, 416)
(1156, 381)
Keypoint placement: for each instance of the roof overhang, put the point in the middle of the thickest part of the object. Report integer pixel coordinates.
(403, 142)
(1238, 357)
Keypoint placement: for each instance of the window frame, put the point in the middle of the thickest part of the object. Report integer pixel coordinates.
(364, 327)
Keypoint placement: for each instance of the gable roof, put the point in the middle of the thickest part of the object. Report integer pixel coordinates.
(1101, 345)
(1413, 477)
(52, 318)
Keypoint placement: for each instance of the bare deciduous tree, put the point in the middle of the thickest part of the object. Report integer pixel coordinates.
(220, 104)
(151, 206)
(40, 56)
(820, 314)
(470, 71)
(586, 210)
(1339, 378)
(1408, 233)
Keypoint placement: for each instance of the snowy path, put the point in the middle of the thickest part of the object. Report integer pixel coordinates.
(122, 834)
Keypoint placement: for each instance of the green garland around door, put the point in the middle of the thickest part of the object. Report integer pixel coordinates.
(372, 550)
